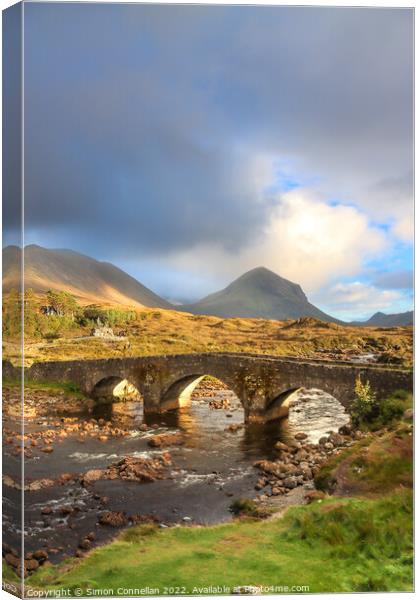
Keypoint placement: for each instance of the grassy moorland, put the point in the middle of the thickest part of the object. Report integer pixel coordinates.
(159, 331)
(362, 531)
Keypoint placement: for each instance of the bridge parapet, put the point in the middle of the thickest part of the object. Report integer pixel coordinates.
(259, 381)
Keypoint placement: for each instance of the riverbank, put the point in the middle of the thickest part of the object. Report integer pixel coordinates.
(92, 469)
(366, 540)
(125, 475)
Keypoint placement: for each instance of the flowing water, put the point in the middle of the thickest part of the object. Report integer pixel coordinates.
(211, 468)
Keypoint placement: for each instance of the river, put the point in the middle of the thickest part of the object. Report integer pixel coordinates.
(212, 467)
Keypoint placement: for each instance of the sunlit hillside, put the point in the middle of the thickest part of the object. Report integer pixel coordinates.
(159, 331)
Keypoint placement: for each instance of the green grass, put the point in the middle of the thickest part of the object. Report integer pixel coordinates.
(9, 574)
(376, 465)
(67, 387)
(335, 545)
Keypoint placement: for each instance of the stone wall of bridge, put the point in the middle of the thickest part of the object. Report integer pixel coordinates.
(261, 383)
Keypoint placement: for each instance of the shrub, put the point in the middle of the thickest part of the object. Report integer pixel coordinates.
(51, 335)
(364, 408)
(62, 302)
(94, 315)
(369, 413)
(392, 409)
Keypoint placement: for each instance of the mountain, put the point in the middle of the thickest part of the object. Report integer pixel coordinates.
(380, 319)
(259, 293)
(89, 280)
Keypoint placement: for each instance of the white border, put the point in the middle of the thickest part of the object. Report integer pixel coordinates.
(340, 3)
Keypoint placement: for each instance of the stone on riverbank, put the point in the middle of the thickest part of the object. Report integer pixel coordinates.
(298, 463)
(113, 519)
(282, 447)
(314, 495)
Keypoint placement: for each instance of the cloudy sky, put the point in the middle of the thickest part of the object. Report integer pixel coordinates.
(188, 144)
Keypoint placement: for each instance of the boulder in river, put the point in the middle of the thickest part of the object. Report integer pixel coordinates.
(166, 439)
(271, 467)
(234, 427)
(345, 430)
(92, 476)
(130, 468)
(336, 439)
(39, 484)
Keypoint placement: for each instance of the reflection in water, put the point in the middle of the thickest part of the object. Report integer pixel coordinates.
(313, 412)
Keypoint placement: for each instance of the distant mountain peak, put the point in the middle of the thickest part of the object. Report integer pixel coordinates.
(259, 271)
(380, 319)
(259, 293)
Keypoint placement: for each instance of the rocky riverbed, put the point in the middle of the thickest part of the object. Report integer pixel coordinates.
(91, 470)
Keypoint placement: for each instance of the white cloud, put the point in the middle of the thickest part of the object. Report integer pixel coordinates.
(307, 241)
(345, 300)
(312, 242)
(404, 228)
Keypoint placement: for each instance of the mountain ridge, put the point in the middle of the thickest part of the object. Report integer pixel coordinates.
(87, 279)
(257, 293)
(380, 319)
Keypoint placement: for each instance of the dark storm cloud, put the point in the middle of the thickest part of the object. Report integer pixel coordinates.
(142, 121)
(12, 125)
(121, 145)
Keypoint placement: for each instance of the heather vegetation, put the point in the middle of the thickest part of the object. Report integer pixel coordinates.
(151, 331)
(56, 315)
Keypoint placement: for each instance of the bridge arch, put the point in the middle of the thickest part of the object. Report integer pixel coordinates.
(179, 393)
(278, 407)
(114, 388)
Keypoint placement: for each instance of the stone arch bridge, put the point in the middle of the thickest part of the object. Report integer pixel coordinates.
(262, 383)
